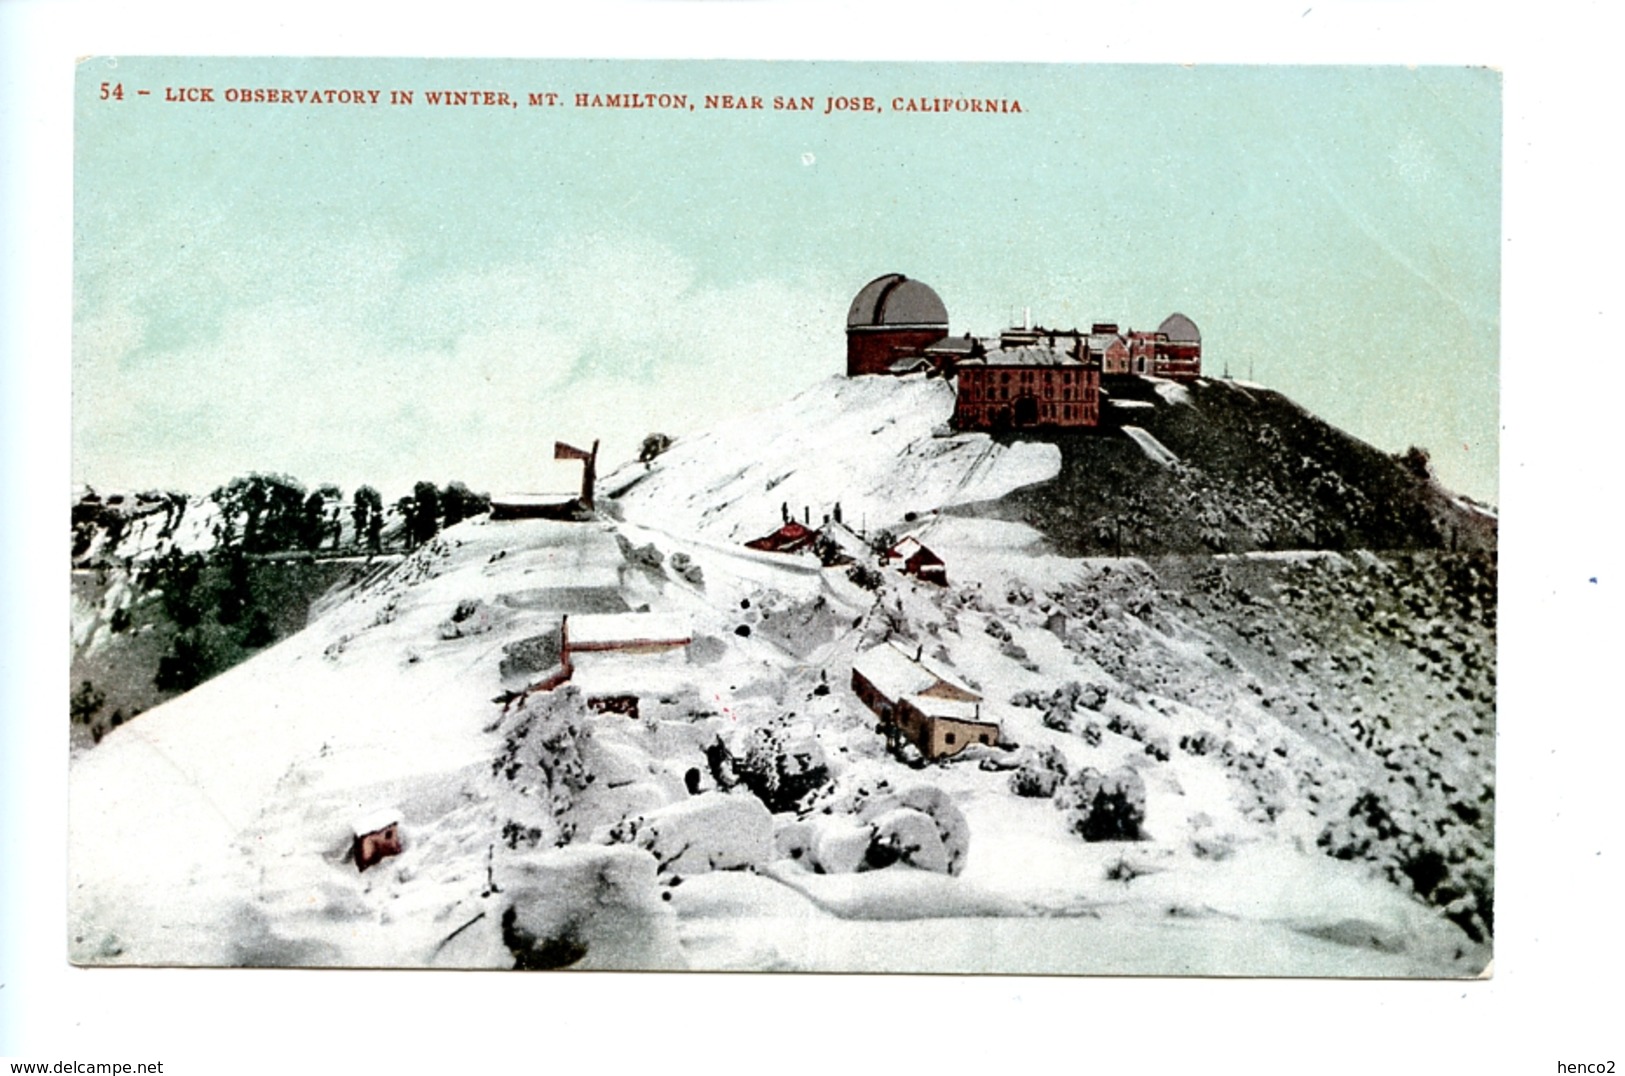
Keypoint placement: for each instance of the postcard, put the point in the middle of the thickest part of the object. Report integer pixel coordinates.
(784, 516)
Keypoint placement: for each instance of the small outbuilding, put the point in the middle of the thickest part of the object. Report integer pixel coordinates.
(911, 557)
(793, 537)
(941, 728)
(920, 701)
(375, 835)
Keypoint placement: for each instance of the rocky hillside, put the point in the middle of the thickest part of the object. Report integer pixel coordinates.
(1222, 466)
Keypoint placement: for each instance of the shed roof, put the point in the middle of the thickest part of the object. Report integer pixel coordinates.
(911, 364)
(600, 674)
(374, 820)
(627, 629)
(896, 673)
(905, 548)
(953, 709)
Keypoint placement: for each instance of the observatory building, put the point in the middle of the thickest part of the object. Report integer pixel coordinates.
(892, 320)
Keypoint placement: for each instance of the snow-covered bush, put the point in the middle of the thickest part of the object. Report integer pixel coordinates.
(644, 556)
(894, 833)
(864, 576)
(904, 835)
(1059, 704)
(1103, 807)
(683, 566)
(780, 770)
(713, 831)
(539, 769)
(533, 654)
(1039, 774)
(471, 617)
(588, 905)
(826, 844)
(1058, 716)
(1197, 743)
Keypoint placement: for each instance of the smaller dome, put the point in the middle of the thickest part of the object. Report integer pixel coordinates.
(1180, 329)
(896, 301)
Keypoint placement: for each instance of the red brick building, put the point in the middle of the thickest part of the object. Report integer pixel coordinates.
(892, 320)
(1025, 387)
(1110, 347)
(1173, 351)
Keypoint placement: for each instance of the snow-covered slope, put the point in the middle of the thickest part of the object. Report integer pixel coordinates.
(877, 446)
(1310, 735)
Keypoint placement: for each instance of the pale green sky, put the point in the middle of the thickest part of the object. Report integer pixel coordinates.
(377, 294)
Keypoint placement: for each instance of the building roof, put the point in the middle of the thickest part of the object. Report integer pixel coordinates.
(627, 629)
(1180, 329)
(952, 345)
(894, 300)
(896, 673)
(846, 540)
(601, 674)
(374, 820)
(790, 538)
(905, 548)
(1027, 355)
(953, 709)
(910, 547)
(911, 364)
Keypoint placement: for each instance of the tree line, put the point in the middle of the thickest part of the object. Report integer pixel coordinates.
(223, 605)
(271, 513)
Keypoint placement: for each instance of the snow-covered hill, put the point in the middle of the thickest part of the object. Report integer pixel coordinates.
(1308, 734)
(878, 447)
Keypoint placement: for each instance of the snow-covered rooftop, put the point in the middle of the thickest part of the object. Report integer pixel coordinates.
(599, 674)
(374, 820)
(953, 345)
(954, 709)
(1033, 355)
(627, 629)
(904, 549)
(896, 673)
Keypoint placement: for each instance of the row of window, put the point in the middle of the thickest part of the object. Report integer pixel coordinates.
(975, 390)
(1061, 412)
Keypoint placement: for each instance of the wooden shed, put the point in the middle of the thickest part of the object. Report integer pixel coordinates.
(375, 835)
(912, 557)
(920, 701)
